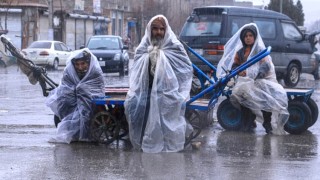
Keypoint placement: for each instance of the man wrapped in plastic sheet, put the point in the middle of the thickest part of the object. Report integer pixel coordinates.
(71, 101)
(160, 83)
(256, 88)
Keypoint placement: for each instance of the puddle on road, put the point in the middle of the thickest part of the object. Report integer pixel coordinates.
(3, 111)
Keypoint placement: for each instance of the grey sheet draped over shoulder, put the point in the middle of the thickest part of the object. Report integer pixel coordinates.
(166, 125)
(71, 101)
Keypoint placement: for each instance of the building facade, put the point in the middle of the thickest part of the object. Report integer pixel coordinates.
(75, 21)
(70, 21)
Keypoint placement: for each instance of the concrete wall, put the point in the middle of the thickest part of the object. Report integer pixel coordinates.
(13, 27)
(78, 31)
(43, 28)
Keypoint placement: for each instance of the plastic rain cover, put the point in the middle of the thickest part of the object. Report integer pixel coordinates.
(71, 101)
(166, 126)
(260, 94)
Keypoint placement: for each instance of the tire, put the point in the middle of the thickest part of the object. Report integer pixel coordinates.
(55, 64)
(292, 76)
(299, 119)
(127, 69)
(56, 120)
(314, 111)
(105, 128)
(229, 117)
(122, 70)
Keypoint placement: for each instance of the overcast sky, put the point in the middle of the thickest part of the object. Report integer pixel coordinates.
(311, 9)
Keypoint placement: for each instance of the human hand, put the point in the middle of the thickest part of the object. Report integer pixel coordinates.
(242, 73)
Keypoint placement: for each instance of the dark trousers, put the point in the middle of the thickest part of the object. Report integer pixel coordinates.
(248, 119)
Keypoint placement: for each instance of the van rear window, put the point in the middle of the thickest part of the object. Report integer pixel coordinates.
(202, 25)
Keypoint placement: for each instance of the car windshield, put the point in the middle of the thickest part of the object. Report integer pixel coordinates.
(202, 25)
(42, 45)
(104, 43)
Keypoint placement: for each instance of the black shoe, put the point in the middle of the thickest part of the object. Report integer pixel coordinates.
(267, 126)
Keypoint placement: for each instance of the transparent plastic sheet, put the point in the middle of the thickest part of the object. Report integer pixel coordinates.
(166, 125)
(260, 94)
(71, 101)
(263, 94)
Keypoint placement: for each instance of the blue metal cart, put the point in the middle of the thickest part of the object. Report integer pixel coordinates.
(109, 122)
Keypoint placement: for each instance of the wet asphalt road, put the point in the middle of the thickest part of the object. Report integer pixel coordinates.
(26, 124)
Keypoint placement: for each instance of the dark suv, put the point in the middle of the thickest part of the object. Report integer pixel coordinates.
(207, 30)
(111, 53)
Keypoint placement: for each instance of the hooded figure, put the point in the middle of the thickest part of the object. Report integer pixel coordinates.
(160, 85)
(71, 101)
(256, 87)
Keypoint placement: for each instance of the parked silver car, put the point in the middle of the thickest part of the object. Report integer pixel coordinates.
(48, 53)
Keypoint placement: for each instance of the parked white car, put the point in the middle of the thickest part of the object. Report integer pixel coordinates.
(48, 53)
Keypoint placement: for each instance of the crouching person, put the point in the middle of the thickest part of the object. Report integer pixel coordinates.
(256, 90)
(71, 101)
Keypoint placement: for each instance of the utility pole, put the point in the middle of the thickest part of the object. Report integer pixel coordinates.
(280, 6)
(50, 10)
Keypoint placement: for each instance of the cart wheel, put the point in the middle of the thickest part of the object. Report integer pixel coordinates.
(229, 117)
(193, 117)
(104, 127)
(314, 111)
(56, 120)
(299, 119)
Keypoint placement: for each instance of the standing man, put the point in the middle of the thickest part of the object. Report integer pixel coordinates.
(71, 101)
(160, 85)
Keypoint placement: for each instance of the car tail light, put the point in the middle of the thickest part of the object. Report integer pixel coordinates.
(213, 49)
(44, 53)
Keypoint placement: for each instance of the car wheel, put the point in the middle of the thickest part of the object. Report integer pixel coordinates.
(292, 77)
(127, 69)
(122, 70)
(55, 64)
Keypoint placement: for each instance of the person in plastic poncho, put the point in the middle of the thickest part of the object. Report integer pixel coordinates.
(256, 89)
(160, 84)
(71, 101)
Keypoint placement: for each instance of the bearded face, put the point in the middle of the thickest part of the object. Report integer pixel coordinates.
(158, 29)
(81, 67)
